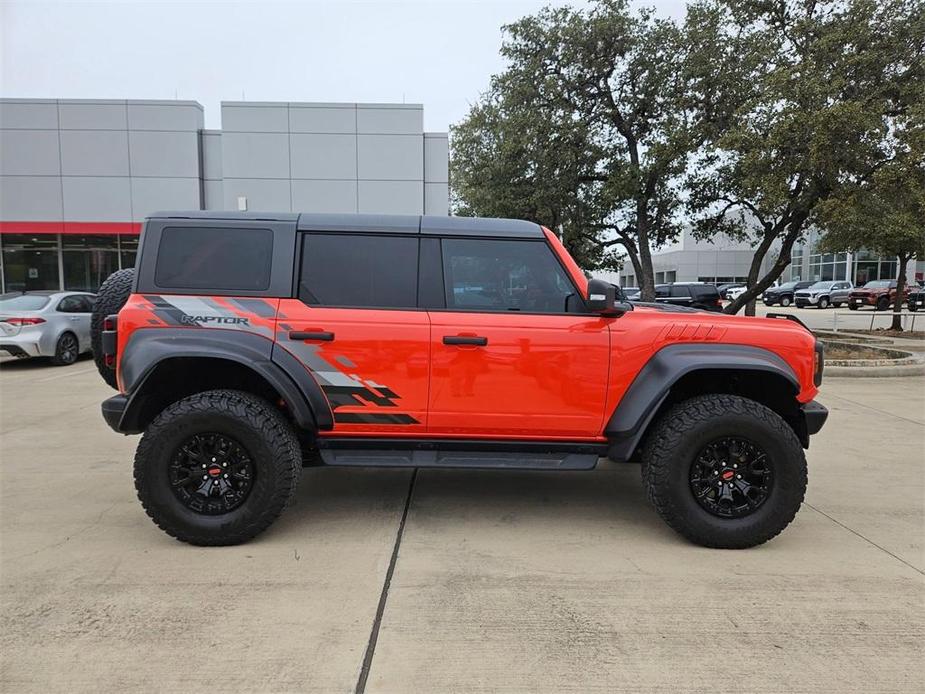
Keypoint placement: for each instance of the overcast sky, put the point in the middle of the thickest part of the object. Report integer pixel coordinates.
(439, 53)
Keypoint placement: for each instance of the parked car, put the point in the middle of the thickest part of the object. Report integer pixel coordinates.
(877, 293)
(724, 288)
(916, 299)
(46, 324)
(735, 292)
(631, 293)
(823, 294)
(240, 372)
(690, 294)
(783, 293)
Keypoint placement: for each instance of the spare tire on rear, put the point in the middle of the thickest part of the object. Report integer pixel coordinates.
(111, 297)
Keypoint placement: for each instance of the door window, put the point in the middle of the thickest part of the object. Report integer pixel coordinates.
(72, 304)
(353, 270)
(491, 275)
(680, 292)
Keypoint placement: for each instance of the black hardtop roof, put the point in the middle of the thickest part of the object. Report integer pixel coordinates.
(378, 223)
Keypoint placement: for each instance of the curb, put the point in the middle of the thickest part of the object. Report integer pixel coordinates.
(914, 369)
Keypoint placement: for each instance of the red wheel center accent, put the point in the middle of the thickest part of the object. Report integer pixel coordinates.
(728, 475)
(215, 471)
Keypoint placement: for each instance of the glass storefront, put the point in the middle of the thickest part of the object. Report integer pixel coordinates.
(62, 261)
(828, 266)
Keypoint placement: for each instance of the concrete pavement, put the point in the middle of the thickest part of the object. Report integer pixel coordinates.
(502, 581)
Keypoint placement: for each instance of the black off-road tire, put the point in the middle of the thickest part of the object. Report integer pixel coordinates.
(684, 431)
(110, 298)
(261, 430)
(67, 350)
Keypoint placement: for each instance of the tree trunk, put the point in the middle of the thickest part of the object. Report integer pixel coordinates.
(900, 292)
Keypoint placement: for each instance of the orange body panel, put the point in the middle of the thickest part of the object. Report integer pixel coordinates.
(539, 377)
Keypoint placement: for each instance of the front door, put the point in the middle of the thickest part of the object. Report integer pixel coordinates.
(355, 326)
(513, 355)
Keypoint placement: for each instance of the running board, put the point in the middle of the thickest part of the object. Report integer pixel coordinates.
(459, 454)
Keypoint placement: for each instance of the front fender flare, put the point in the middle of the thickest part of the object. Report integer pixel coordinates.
(652, 384)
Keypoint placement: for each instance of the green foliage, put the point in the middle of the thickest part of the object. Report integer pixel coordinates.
(829, 85)
(591, 128)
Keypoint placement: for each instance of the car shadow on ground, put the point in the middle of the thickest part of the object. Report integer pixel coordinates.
(612, 495)
(14, 364)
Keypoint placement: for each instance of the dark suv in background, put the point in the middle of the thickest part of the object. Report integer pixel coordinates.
(691, 294)
(783, 294)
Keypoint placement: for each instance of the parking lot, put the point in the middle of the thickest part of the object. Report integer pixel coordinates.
(503, 581)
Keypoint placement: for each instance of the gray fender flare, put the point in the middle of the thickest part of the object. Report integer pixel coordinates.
(147, 348)
(651, 386)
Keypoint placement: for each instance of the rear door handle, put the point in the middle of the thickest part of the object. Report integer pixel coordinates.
(321, 335)
(465, 340)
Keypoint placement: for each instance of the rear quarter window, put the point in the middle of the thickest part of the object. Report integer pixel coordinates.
(218, 258)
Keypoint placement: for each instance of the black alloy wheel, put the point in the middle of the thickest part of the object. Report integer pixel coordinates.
(731, 477)
(66, 351)
(211, 473)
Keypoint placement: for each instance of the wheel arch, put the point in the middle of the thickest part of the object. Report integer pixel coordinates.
(679, 372)
(161, 366)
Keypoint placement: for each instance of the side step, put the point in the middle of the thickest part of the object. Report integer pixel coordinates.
(459, 454)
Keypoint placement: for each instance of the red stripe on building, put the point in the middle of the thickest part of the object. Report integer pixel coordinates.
(82, 228)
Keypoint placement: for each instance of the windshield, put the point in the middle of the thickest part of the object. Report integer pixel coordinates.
(787, 285)
(23, 302)
(877, 284)
(820, 285)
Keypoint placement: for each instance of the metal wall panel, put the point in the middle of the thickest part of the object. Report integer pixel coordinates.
(436, 158)
(323, 156)
(30, 198)
(263, 195)
(255, 117)
(29, 115)
(170, 154)
(212, 155)
(324, 196)
(153, 194)
(212, 195)
(92, 115)
(322, 119)
(390, 157)
(391, 197)
(97, 199)
(437, 198)
(183, 116)
(390, 119)
(29, 153)
(255, 155)
(94, 153)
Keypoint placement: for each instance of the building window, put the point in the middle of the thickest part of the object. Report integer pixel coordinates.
(128, 249)
(30, 263)
(671, 276)
(88, 260)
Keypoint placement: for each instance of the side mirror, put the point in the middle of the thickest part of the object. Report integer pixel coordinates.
(602, 299)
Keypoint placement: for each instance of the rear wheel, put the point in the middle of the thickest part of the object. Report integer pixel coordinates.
(217, 468)
(66, 350)
(111, 297)
(724, 471)
(836, 304)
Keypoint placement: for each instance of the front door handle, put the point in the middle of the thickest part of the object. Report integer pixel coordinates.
(321, 335)
(465, 340)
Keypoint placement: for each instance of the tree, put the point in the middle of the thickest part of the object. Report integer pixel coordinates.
(829, 83)
(885, 214)
(592, 127)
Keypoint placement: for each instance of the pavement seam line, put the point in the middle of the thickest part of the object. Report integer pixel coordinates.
(866, 539)
(883, 412)
(384, 595)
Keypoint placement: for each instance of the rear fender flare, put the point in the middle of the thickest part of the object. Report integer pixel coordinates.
(147, 348)
(652, 385)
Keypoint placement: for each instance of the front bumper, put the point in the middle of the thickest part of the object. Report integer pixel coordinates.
(814, 416)
(863, 300)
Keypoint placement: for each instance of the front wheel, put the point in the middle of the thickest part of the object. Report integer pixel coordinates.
(883, 303)
(913, 306)
(217, 468)
(724, 471)
(785, 301)
(836, 304)
(852, 307)
(824, 302)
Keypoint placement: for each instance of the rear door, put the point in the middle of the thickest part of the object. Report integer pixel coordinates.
(513, 353)
(355, 325)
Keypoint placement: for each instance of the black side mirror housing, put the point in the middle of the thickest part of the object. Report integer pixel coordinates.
(602, 299)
